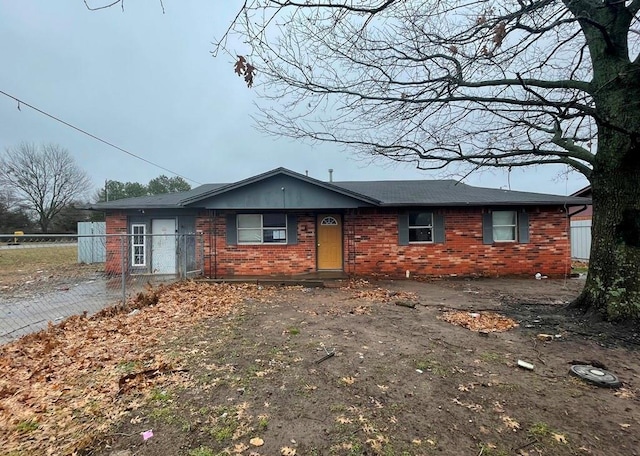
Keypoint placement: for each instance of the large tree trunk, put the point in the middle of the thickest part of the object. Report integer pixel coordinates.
(44, 225)
(612, 288)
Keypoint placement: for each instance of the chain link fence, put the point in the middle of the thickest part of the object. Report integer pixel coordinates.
(47, 278)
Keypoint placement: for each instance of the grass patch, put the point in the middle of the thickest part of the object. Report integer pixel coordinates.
(293, 331)
(160, 396)
(350, 448)
(507, 387)
(27, 426)
(164, 414)
(432, 366)
(126, 367)
(201, 451)
(263, 423)
(540, 430)
(19, 263)
(33, 258)
(489, 357)
(225, 425)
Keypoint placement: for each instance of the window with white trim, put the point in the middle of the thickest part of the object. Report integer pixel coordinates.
(138, 245)
(420, 227)
(262, 228)
(504, 226)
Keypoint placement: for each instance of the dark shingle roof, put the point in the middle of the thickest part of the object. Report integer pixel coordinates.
(383, 193)
(448, 193)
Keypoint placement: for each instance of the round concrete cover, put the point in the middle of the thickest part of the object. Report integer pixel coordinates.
(595, 375)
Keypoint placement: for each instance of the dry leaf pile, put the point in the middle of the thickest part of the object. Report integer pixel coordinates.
(61, 387)
(362, 290)
(483, 321)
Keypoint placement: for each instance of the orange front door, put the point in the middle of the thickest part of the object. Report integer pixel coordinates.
(329, 241)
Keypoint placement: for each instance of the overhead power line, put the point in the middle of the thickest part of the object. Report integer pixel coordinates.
(57, 119)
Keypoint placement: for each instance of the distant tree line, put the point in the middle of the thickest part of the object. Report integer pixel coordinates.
(115, 190)
(43, 190)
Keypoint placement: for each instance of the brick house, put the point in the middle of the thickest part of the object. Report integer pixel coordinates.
(282, 223)
(581, 227)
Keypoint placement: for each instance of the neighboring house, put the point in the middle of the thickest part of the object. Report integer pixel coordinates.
(583, 213)
(581, 227)
(282, 223)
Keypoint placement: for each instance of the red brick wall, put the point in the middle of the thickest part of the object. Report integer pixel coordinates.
(377, 251)
(116, 223)
(371, 247)
(222, 260)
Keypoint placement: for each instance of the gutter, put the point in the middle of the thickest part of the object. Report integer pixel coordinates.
(584, 208)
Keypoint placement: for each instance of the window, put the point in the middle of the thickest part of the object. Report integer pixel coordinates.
(329, 221)
(138, 245)
(421, 227)
(262, 228)
(504, 226)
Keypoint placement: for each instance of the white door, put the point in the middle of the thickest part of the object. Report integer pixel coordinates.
(163, 246)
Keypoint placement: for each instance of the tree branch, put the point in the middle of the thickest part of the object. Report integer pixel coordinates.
(354, 9)
(104, 6)
(559, 84)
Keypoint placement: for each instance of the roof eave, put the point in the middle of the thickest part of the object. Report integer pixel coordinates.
(486, 204)
(141, 206)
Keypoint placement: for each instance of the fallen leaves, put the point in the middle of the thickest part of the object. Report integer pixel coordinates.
(510, 423)
(481, 321)
(469, 405)
(67, 378)
(344, 420)
(256, 441)
(240, 448)
(377, 442)
(625, 393)
(382, 295)
(560, 438)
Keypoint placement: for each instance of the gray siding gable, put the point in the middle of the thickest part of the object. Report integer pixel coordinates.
(278, 192)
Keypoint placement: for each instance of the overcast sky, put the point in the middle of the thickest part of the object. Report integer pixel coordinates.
(146, 81)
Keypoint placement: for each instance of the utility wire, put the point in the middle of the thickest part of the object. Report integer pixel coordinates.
(57, 119)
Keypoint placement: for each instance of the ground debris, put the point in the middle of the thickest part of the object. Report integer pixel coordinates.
(481, 321)
(63, 380)
(128, 381)
(362, 290)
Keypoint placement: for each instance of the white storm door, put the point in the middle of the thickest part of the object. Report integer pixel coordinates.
(163, 246)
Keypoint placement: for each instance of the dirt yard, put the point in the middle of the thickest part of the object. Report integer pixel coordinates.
(342, 370)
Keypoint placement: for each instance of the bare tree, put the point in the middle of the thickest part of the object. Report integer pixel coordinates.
(464, 85)
(44, 178)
